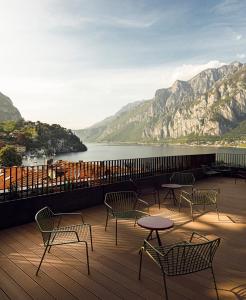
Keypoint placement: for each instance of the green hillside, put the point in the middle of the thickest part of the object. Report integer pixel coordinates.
(42, 137)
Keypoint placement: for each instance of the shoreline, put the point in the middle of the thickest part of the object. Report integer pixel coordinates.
(167, 144)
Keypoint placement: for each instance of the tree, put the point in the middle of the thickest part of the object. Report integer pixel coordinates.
(9, 126)
(9, 157)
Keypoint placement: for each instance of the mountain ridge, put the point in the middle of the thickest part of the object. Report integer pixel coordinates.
(8, 111)
(210, 103)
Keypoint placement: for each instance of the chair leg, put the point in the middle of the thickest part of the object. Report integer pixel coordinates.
(174, 197)
(154, 195)
(191, 211)
(52, 240)
(116, 233)
(217, 211)
(165, 285)
(91, 239)
(140, 263)
(42, 259)
(106, 222)
(87, 257)
(157, 195)
(179, 203)
(215, 285)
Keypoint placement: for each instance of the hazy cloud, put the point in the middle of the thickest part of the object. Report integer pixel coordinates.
(241, 55)
(229, 6)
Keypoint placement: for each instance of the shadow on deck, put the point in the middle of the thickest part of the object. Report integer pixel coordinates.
(114, 269)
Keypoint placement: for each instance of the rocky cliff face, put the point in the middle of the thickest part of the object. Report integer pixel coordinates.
(211, 103)
(7, 110)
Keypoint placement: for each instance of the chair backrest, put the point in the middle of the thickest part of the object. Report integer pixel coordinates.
(182, 178)
(122, 200)
(188, 258)
(205, 196)
(201, 196)
(143, 187)
(45, 221)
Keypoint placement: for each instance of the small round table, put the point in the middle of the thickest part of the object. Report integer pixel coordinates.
(155, 223)
(171, 190)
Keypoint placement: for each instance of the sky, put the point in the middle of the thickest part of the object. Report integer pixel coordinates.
(76, 62)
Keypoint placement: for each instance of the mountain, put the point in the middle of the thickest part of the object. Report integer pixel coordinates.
(35, 136)
(8, 112)
(210, 104)
(40, 138)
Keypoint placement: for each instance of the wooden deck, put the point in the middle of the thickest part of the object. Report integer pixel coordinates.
(114, 269)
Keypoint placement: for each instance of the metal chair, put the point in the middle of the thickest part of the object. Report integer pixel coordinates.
(124, 205)
(53, 234)
(200, 197)
(182, 258)
(209, 171)
(184, 179)
(143, 188)
(178, 180)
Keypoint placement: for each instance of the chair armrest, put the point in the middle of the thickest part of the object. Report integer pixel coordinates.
(108, 206)
(146, 243)
(199, 235)
(69, 214)
(186, 196)
(141, 204)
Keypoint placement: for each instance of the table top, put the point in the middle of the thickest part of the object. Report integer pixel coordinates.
(155, 223)
(171, 185)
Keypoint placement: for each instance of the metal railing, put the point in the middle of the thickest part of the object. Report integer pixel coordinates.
(236, 160)
(29, 181)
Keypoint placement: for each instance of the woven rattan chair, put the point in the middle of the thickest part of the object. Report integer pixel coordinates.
(53, 234)
(200, 197)
(182, 258)
(124, 205)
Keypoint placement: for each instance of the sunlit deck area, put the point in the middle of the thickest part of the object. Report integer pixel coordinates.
(114, 269)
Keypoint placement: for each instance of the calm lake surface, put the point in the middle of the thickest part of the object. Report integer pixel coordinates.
(97, 152)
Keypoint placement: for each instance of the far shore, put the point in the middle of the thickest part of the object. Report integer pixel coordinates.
(170, 144)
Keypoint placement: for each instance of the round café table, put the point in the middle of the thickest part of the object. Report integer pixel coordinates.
(171, 190)
(155, 223)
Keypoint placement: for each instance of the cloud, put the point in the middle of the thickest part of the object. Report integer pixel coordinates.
(239, 37)
(187, 71)
(130, 23)
(229, 6)
(111, 21)
(241, 55)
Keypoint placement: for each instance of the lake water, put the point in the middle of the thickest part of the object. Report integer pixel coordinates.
(97, 152)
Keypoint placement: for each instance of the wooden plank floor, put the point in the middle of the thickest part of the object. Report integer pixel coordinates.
(114, 269)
